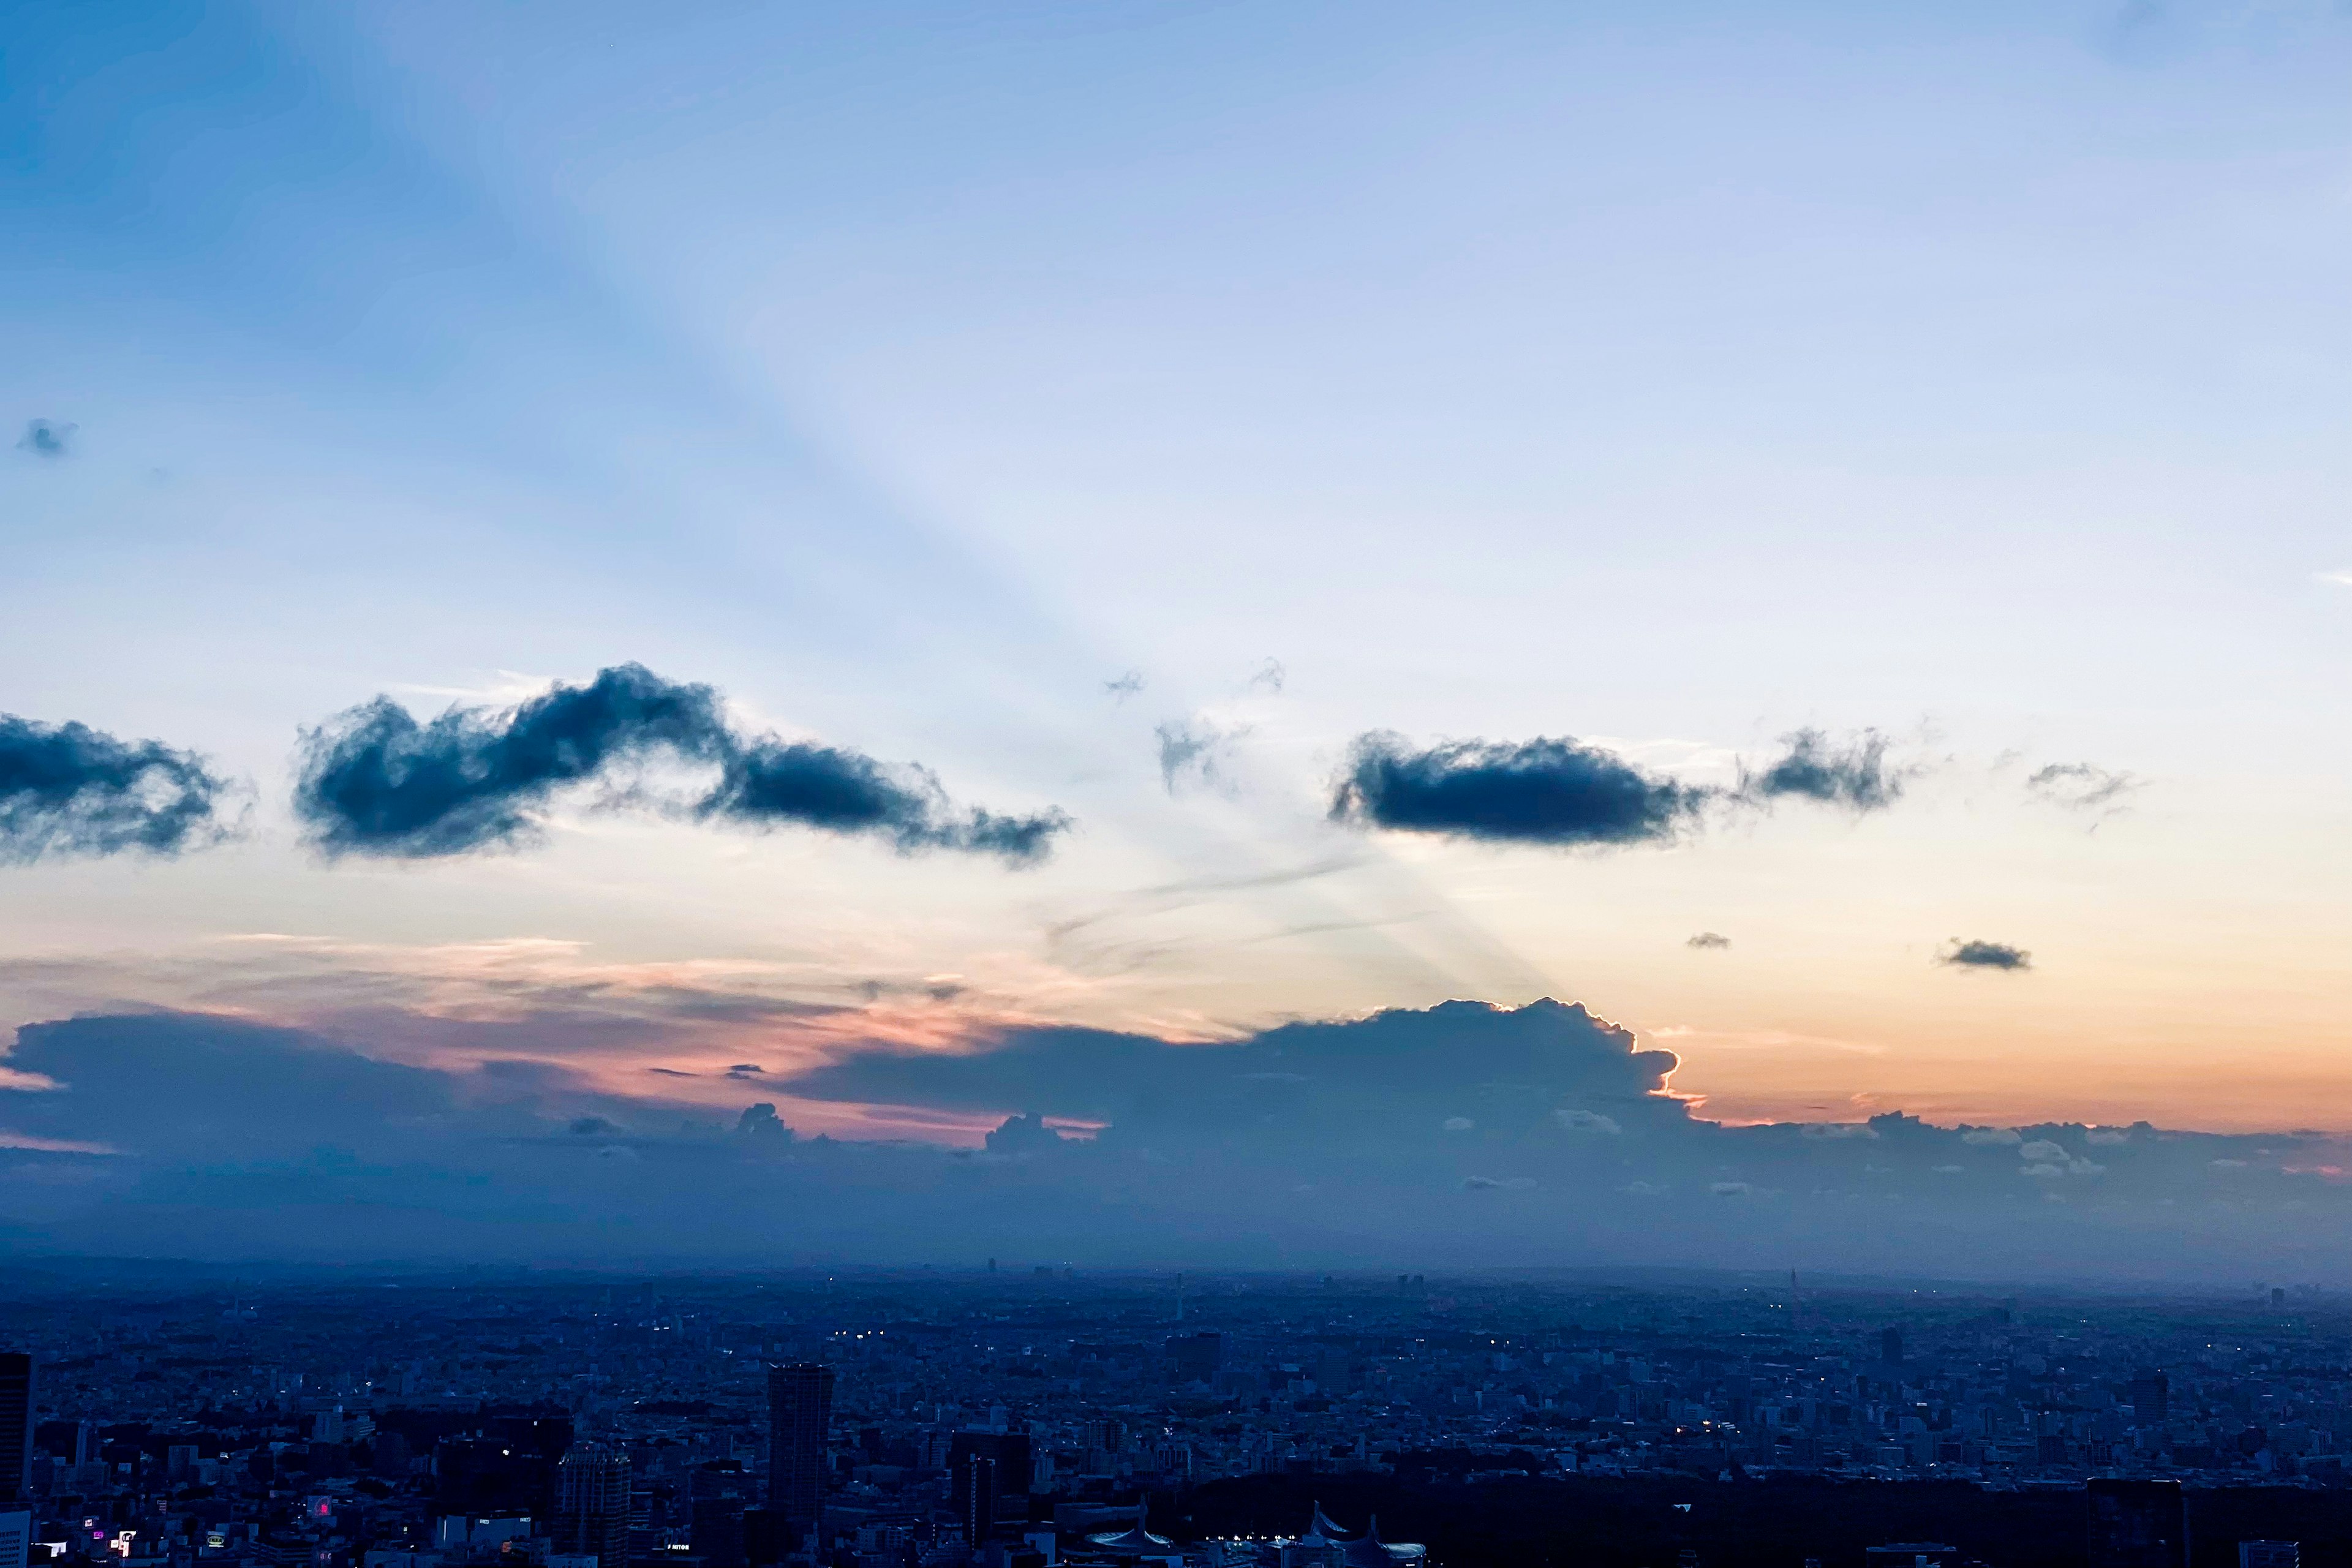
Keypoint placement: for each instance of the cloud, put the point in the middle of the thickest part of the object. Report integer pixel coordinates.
(1708, 940)
(1855, 774)
(46, 438)
(1992, 1137)
(1979, 954)
(1545, 791)
(1125, 685)
(2081, 786)
(1309, 1144)
(1023, 1135)
(1587, 1122)
(68, 789)
(1459, 1124)
(2336, 579)
(770, 783)
(1268, 677)
(1195, 747)
(373, 780)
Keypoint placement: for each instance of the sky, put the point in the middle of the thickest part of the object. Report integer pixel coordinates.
(588, 566)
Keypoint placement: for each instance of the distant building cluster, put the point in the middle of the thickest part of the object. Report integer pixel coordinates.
(1027, 1421)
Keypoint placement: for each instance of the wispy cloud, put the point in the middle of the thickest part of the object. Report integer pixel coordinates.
(46, 438)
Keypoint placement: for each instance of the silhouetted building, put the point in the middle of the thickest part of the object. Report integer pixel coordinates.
(591, 1506)
(16, 1426)
(2151, 1397)
(2137, 1524)
(972, 1495)
(800, 1417)
(1011, 1454)
(2269, 1554)
(719, 1495)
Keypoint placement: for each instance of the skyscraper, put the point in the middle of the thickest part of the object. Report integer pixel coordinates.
(16, 1426)
(800, 1417)
(591, 1505)
(2137, 1524)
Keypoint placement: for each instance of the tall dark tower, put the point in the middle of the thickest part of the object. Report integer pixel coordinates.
(591, 1505)
(799, 1417)
(15, 1427)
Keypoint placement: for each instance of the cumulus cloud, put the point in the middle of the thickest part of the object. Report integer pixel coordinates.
(1311, 1144)
(1854, 773)
(1708, 940)
(46, 438)
(1992, 1137)
(1977, 954)
(1268, 677)
(1577, 1121)
(1546, 791)
(1125, 685)
(2081, 786)
(68, 789)
(1459, 1124)
(373, 780)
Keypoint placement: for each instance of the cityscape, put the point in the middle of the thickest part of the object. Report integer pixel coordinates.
(1019, 1415)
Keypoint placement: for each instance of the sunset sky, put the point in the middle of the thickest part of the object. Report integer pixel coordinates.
(1899, 453)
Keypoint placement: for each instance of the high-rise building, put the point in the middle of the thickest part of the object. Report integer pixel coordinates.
(974, 1497)
(2137, 1524)
(16, 1538)
(1011, 1462)
(1890, 1347)
(16, 1426)
(800, 1419)
(2151, 1397)
(2269, 1554)
(591, 1505)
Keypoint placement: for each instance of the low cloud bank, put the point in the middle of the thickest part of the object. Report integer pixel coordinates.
(1459, 1135)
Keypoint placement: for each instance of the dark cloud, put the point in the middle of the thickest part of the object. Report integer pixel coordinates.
(761, 1125)
(2081, 786)
(1544, 791)
(68, 789)
(1854, 774)
(46, 438)
(373, 780)
(1463, 1134)
(1708, 939)
(1126, 686)
(1366, 1074)
(1022, 1135)
(1977, 954)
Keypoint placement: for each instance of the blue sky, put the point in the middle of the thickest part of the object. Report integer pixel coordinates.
(1675, 378)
